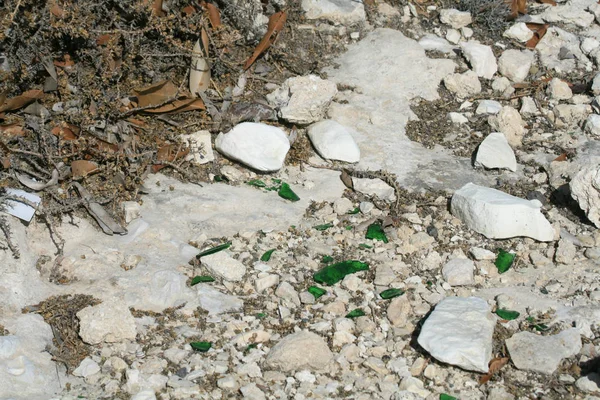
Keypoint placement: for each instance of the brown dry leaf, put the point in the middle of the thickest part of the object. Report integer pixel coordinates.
(11, 130)
(155, 94)
(188, 10)
(103, 39)
(17, 102)
(517, 7)
(67, 63)
(5, 162)
(214, 16)
(276, 23)
(369, 3)
(56, 9)
(66, 131)
(168, 153)
(178, 106)
(157, 8)
(105, 146)
(539, 30)
(551, 2)
(347, 179)
(562, 157)
(82, 168)
(495, 365)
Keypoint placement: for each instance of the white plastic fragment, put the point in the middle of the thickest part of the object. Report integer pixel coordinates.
(18, 209)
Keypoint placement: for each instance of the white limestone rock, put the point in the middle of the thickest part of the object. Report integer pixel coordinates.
(509, 122)
(588, 45)
(528, 106)
(596, 84)
(459, 332)
(559, 90)
(531, 352)
(455, 18)
(333, 141)
(459, 272)
(299, 351)
(258, 146)
(215, 302)
(592, 125)
(515, 64)
(344, 12)
(374, 187)
(481, 58)
(519, 32)
(550, 46)
(224, 266)
(488, 107)
(457, 118)
(479, 254)
(431, 42)
(453, 36)
(200, 147)
(463, 85)
(570, 115)
(303, 99)
(585, 189)
(495, 152)
(108, 322)
(86, 368)
(498, 215)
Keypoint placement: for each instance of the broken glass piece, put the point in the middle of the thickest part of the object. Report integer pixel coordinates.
(316, 291)
(326, 259)
(287, 193)
(365, 246)
(391, 293)
(355, 313)
(201, 346)
(507, 315)
(267, 256)
(257, 183)
(355, 211)
(214, 250)
(444, 396)
(504, 260)
(323, 227)
(375, 232)
(336, 272)
(201, 279)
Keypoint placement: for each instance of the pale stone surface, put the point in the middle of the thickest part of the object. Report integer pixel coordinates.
(86, 368)
(455, 18)
(303, 99)
(495, 152)
(298, 351)
(374, 187)
(459, 332)
(509, 122)
(549, 49)
(337, 11)
(216, 302)
(498, 215)
(334, 141)
(259, 146)
(488, 107)
(515, 64)
(459, 272)
(482, 254)
(457, 118)
(481, 58)
(399, 311)
(592, 125)
(110, 321)
(559, 90)
(589, 384)
(585, 189)
(432, 42)
(519, 31)
(224, 266)
(543, 354)
(463, 85)
(570, 115)
(200, 147)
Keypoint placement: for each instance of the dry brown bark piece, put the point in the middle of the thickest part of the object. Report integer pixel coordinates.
(276, 23)
(15, 103)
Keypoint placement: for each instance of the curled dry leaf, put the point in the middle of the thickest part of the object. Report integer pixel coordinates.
(561, 158)
(67, 63)
(539, 30)
(495, 365)
(35, 185)
(11, 130)
(163, 95)
(276, 23)
(82, 168)
(66, 131)
(106, 222)
(168, 153)
(551, 2)
(517, 7)
(21, 101)
(200, 69)
(214, 16)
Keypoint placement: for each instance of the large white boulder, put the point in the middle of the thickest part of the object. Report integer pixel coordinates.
(481, 58)
(259, 146)
(334, 141)
(585, 189)
(495, 152)
(459, 332)
(498, 215)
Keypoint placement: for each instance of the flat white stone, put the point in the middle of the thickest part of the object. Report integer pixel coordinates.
(481, 58)
(459, 332)
(559, 90)
(459, 272)
(333, 141)
(110, 321)
(498, 215)
(519, 32)
(224, 266)
(336, 11)
(457, 118)
(515, 64)
(509, 122)
(431, 42)
(551, 45)
(455, 18)
(463, 85)
(299, 351)
(488, 107)
(585, 189)
(495, 152)
(215, 302)
(531, 352)
(592, 125)
(374, 187)
(258, 146)
(86, 368)
(200, 147)
(481, 254)
(453, 36)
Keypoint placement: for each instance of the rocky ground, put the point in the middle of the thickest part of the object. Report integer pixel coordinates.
(451, 155)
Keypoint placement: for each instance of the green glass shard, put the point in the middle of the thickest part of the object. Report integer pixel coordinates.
(323, 227)
(444, 396)
(507, 315)
(257, 183)
(355, 211)
(375, 232)
(504, 260)
(221, 178)
(530, 319)
(287, 193)
(355, 313)
(316, 291)
(365, 246)
(250, 347)
(214, 250)
(201, 279)
(349, 228)
(541, 327)
(336, 272)
(261, 315)
(267, 256)
(277, 181)
(326, 259)
(544, 290)
(391, 293)
(201, 346)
